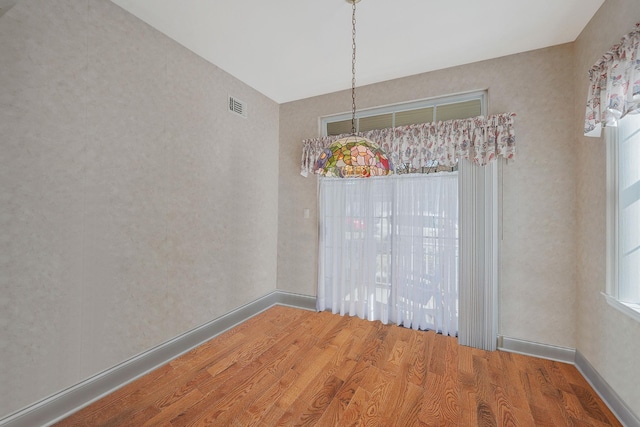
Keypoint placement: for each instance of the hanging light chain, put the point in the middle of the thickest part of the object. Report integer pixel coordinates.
(353, 68)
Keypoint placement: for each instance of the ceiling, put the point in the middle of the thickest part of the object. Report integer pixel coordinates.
(294, 49)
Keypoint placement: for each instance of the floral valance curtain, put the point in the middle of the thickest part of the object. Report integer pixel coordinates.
(614, 88)
(479, 139)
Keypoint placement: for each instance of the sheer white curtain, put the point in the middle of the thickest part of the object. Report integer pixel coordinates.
(389, 249)
(355, 247)
(425, 252)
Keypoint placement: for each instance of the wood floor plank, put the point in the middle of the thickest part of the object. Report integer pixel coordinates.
(237, 402)
(323, 325)
(505, 412)
(255, 412)
(250, 366)
(168, 409)
(309, 407)
(355, 409)
(134, 419)
(375, 344)
(419, 353)
(252, 378)
(510, 396)
(451, 390)
(466, 387)
(409, 410)
(307, 374)
(590, 403)
(431, 412)
(403, 397)
(589, 398)
(344, 396)
(211, 350)
(436, 364)
(486, 407)
(373, 413)
(284, 317)
(287, 366)
(545, 399)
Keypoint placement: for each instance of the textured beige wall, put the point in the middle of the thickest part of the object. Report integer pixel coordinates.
(537, 270)
(608, 339)
(120, 227)
(128, 211)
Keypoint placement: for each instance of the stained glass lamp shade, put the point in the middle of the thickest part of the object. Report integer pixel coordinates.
(353, 157)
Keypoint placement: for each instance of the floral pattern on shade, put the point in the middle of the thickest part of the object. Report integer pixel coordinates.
(479, 139)
(353, 157)
(614, 85)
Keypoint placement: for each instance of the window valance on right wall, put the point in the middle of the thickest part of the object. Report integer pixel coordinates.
(614, 89)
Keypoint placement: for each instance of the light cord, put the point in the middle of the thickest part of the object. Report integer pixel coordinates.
(353, 68)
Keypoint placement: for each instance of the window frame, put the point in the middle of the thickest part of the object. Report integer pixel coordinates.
(480, 201)
(611, 294)
(406, 106)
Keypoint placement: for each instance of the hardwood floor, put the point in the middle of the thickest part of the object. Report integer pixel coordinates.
(293, 367)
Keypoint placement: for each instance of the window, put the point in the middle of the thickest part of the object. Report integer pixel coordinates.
(623, 215)
(474, 263)
(417, 112)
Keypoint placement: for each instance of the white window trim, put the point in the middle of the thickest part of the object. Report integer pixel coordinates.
(611, 142)
(404, 106)
(611, 292)
(631, 310)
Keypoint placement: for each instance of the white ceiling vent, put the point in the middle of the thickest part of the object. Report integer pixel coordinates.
(237, 106)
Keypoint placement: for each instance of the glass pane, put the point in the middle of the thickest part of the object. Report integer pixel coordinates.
(411, 117)
(381, 121)
(629, 149)
(338, 128)
(459, 110)
(629, 209)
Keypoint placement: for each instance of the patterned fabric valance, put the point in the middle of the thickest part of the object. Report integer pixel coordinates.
(479, 139)
(614, 88)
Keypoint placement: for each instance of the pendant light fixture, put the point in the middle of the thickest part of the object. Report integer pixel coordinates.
(353, 156)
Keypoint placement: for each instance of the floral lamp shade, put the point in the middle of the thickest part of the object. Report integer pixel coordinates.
(353, 157)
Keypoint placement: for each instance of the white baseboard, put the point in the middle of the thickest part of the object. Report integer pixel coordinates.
(62, 404)
(569, 355)
(608, 394)
(530, 348)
